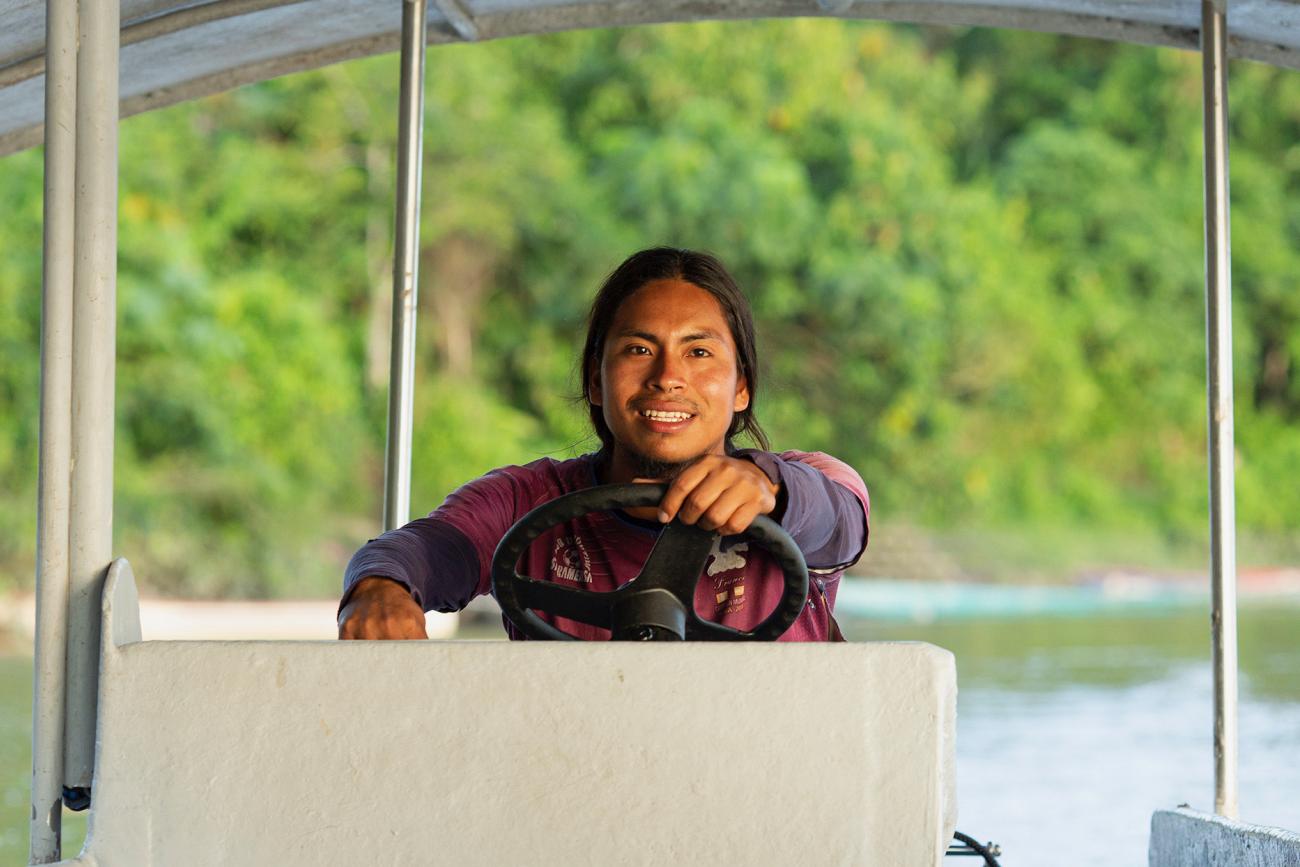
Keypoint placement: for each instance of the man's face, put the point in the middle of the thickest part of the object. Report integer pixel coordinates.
(668, 384)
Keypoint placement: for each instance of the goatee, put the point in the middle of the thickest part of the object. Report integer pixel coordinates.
(647, 467)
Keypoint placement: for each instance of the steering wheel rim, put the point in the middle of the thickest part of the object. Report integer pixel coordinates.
(657, 592)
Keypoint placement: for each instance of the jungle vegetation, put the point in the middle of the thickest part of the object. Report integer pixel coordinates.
(975, 256)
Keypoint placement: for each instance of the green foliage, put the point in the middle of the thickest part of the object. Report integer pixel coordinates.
(975, 259)
(20, 311)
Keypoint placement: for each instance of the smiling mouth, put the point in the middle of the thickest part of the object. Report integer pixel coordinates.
(662, 416)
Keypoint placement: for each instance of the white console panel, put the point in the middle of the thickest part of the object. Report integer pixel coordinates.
(462, 753)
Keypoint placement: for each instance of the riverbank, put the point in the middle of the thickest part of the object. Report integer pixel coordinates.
(1117, 592)
(229, 620)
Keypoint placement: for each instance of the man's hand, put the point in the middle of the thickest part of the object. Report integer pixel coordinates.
(380, 608)
(719, 493)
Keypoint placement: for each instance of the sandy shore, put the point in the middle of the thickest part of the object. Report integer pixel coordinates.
(179, 619)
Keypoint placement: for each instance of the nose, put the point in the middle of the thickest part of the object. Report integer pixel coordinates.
(667, 374)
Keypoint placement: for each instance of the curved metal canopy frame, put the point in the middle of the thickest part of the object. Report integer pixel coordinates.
(175, 50)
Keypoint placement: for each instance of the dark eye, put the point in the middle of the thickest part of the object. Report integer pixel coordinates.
(637, 349)
(700, 352)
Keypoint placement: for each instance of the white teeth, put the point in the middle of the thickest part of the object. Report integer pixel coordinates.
(656, 415)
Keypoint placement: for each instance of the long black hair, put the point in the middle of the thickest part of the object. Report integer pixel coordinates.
(699, 269)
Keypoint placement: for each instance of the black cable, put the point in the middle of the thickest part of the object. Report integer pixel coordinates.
(984, 851)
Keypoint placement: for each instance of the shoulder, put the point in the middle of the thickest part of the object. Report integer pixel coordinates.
(828, 464)
(833, 468)
(569, 474)
(542, 479)
(506, 493)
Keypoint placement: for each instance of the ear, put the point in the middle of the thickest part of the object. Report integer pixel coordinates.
(742, 395)
(593, 388)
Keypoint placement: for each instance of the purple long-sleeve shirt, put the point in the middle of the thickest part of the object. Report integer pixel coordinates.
(444, 560)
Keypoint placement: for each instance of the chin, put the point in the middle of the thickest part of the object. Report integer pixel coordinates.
(651, 462)
(672, 451)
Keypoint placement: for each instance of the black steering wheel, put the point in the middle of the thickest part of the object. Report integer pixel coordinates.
(659, 603)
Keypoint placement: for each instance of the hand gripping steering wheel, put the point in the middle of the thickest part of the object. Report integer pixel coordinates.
(659, 603)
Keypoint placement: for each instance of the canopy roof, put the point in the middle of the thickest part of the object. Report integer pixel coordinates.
(174, 50)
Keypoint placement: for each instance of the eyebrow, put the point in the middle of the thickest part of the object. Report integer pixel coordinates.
(697, 334)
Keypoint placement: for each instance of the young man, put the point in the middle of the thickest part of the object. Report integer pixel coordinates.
(670, 377)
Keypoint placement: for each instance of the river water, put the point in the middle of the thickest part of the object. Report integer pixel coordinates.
(1070, 731)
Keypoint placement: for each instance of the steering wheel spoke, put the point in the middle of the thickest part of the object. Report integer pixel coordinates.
(582, 605)
(677, 560)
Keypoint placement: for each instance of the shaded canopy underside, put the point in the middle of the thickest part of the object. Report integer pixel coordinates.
(175, 50)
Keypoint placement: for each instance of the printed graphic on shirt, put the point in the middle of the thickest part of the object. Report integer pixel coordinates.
(727, 569)
(725, 561)
(569, 560)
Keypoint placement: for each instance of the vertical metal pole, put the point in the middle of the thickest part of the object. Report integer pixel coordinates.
(56, 423)
(1218, 295)
(406, 260)
(93, 360)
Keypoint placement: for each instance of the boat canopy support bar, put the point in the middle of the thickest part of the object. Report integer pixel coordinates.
(1218, 324)
(406, 262)
(94, 328)
(78, 336)
(48, 702)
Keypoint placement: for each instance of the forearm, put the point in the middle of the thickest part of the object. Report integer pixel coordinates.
(826, 519)
(433, 560)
